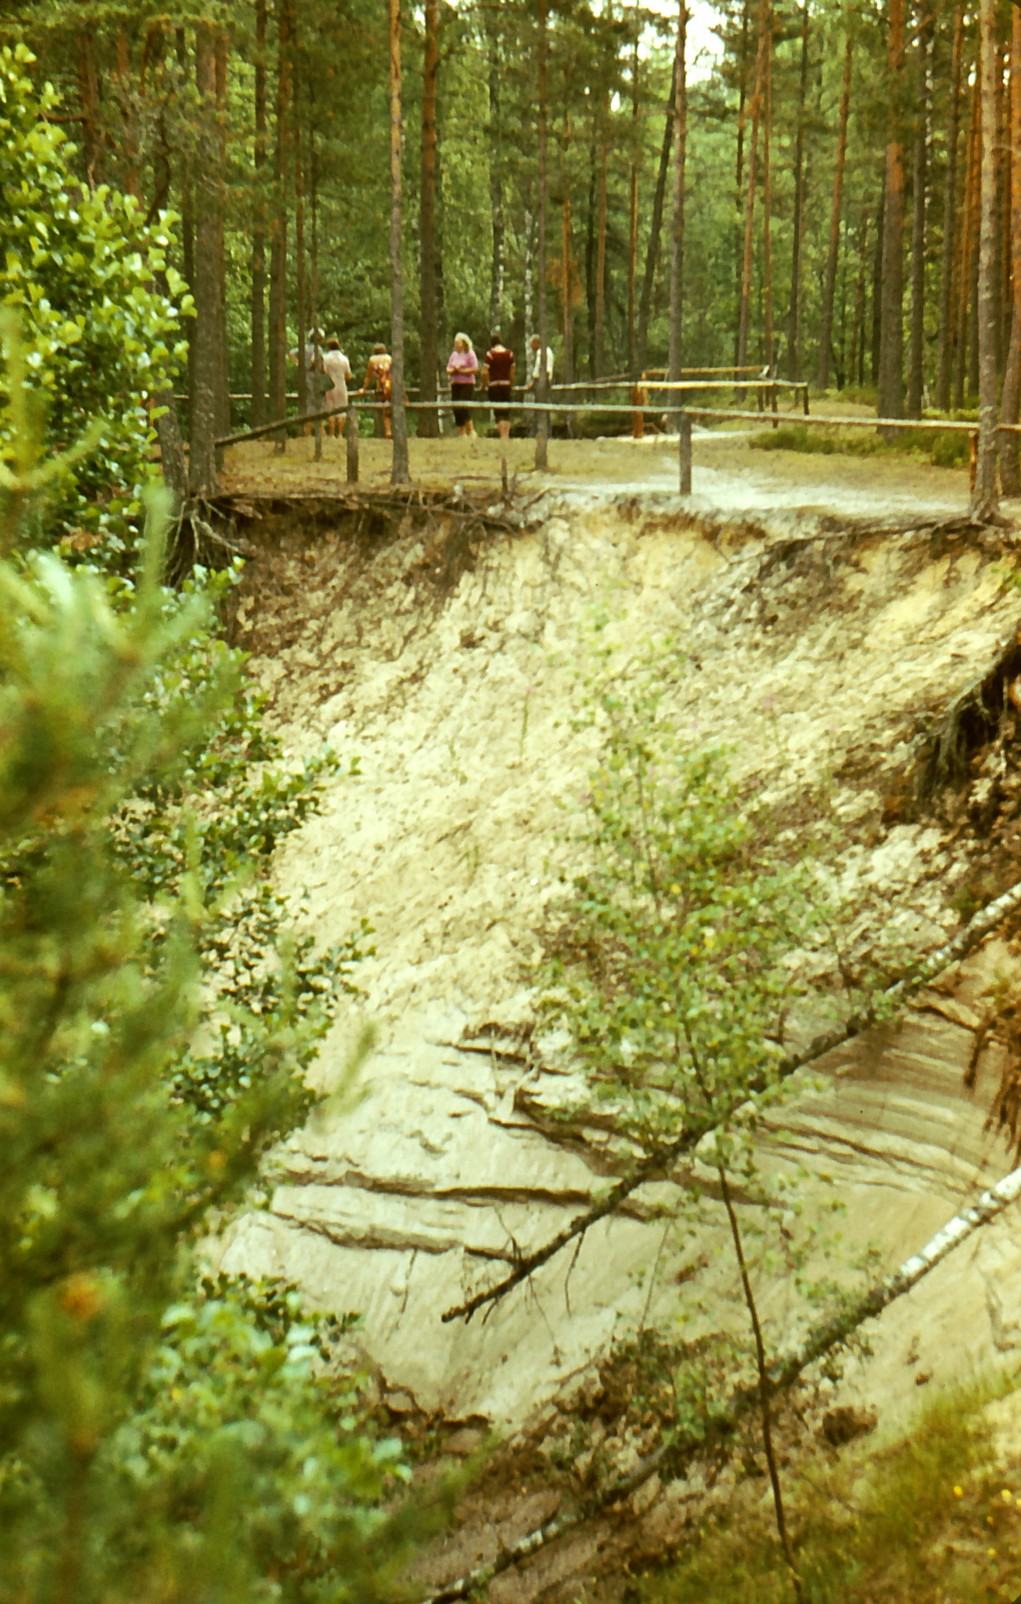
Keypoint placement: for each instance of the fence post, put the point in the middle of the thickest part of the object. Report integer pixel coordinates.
(804, 399)
(684, 437)
(774, 401)
(351, 432)
(638, 400)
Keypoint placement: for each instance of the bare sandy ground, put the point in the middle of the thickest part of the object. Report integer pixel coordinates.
(728, 472)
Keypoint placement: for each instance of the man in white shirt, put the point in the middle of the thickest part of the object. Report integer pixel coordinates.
(534, 382)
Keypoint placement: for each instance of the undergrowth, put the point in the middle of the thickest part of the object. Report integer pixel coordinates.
(942, 449)
(927, 1517)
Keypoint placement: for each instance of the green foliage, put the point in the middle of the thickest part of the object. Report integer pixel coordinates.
(670, 968)
(155, 1442)
(81, 269)
(942, 448)
(928, 1516)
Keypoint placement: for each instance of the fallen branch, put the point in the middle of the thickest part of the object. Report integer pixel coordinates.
(660, 1159)
(677, 1452)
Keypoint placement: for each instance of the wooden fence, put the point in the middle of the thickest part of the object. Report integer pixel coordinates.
(681, 412)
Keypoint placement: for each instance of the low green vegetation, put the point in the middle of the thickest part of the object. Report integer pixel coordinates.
(930, 1515)
(943, 448)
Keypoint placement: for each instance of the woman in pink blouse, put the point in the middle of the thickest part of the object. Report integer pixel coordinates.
(462, 366)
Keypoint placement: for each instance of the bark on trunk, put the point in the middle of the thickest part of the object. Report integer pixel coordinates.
(750, 187)
(306, 381)
(278, 226)
(946, 304)
(219, 201)
(567, 261)
(542, 385)
(258, 303)
(836, 208)
(919, 201)
(88, 100)
(1010, 405)
(967, 253)
(794, 314)
(656, 225)
(400, 471)
(130, 179)
(599, 314)
(984, 495)
(768, 351)
(890, 396)
(206, 323)
(498, 265)
(632, 247)
(677, 220)
(428, 422)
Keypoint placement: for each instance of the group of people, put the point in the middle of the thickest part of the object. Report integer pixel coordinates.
(331, 371)
(497, 376)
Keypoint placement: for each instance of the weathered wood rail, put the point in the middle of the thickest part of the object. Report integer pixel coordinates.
(681, 411)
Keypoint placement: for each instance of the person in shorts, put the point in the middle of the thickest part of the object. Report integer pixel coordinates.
(462, 368)
(378, 377)
(498, 377)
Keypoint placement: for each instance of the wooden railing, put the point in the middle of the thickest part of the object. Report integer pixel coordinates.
(682, 412)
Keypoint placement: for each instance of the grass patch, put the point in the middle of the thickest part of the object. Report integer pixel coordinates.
(942, 449)
(926, 1518)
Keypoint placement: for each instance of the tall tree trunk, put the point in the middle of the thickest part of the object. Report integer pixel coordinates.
(739, 185)
(219, 196)
(677, 221)
(836, 208)
(946, 304)
(187, 182)
(984, 495)
(130, 179)
(206, 323)
(877, 284)
(498, 265)
(428, 422)
(88, 100)
(919, 200)
(305, 378)
(856, 356)
(599, 316)
(528, 270)
(259, 224)
(542, 436)
(400, 471)
(632, 241)
(590, 253)
(967, 252)
(769, 352)
(1010, 404)
(750, 187)
(567, 260)
(656, 224)
(794, 312)
(890, 393)
(278, 226)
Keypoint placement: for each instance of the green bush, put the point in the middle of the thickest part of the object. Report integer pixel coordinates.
(81, 270)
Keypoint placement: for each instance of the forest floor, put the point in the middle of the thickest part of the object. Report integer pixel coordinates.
(730, 472)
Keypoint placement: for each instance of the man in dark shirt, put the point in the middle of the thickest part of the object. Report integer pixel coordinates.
(498, 376)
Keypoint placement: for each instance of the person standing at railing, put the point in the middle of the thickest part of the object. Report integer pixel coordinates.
(498, 377)
(337, 369)
(535, 382)
(462, 368)
(378, 377)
